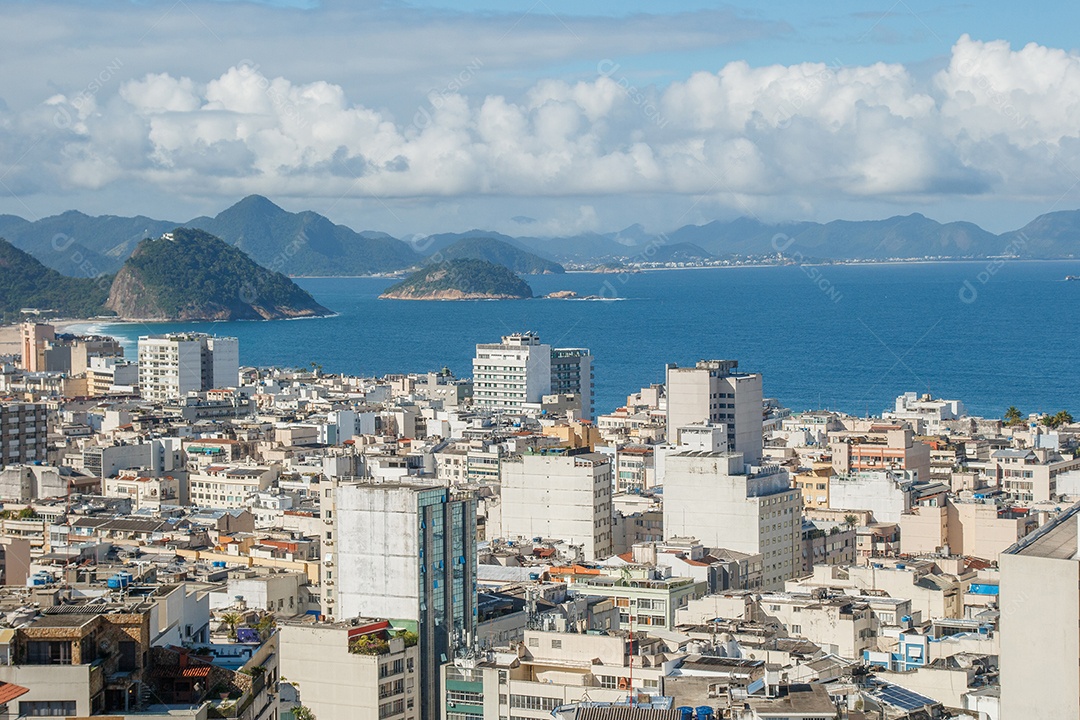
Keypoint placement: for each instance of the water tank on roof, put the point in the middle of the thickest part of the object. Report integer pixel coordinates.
(900, 566)
(704, 712)
(686, 712)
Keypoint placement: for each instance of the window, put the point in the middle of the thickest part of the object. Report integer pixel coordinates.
(464, 696)
(534, 702)
(43, 652)
(40, 708)
(796, 629)
(556, 644)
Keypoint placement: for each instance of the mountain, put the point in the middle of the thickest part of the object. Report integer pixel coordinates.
(677, 252)
(305, 243)
(461, 279)
(78, 244)
(433, 244)
(192, 275)
(26, 283)
(500, 253)
(1055, 234)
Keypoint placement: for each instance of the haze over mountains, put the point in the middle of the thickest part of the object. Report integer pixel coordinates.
(306, 243)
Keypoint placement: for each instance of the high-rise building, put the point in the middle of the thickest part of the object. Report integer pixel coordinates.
(407, 552)
(509, 374)
(171, 366)
(711, 497)
(1039, 603)
(558, 496)
(572, 374)
(714, 392)
(23, 433)
(520, 371)
(34, 338)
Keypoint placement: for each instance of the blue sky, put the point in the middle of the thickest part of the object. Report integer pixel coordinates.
(422, 116)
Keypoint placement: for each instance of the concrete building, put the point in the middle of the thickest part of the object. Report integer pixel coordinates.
(713, 392)
(559, 497)
(1040, 623)
(108, 375)
(23, 433)
(711, 497)
(886, 494)
(230, 486)
(976, 529)
(926, 411)
(407, 552)
(572, 374)
(1030, 475)
(34, 337)
(509, 374)
(361, 669)
(171, 366)
(882, 447)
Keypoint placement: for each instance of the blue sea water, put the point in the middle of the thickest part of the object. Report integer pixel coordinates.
(846, 337)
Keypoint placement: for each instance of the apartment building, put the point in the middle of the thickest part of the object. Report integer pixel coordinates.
(714, 392)
(230, 486)
(646, 596)
(572, 374)
(406, 552)
(882, 447)
(108, 375)
(512, 373)
(1030, 475)
(711, 497)
(23, 433)
(558, 496)
(1040, 622)
(171, 366)
(360, 669)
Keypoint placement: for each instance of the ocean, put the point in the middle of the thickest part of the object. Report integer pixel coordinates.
(845, 337)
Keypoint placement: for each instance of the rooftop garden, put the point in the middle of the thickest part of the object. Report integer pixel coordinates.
(378, 643)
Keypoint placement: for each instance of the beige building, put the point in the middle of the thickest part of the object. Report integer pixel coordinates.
(813, 481)
(882, 447)
(558, 497)
(1030, 475)
(1040, 623)
(230, 486)
(356, 670)
(145, 493)
(711, 497)
(975, 529)
(714, 392)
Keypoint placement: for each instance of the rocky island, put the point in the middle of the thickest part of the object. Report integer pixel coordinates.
(192, 275)
(462, 279)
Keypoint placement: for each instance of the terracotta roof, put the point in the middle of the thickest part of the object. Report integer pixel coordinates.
(10, 691)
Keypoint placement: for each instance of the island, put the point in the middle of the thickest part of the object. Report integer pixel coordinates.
(461, 279)
(192, 275)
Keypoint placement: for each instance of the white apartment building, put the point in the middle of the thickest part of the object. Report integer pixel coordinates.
(230, 486)
(709, 496)
(1040, 623)
(509, 374)
(713, 392)
(356, 670)
(560, 497)
(171, 366)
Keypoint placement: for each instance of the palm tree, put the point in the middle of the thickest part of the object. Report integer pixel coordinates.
(266, 626)
(851, 521)
(1063, 418)
(1013, 416)
(232, 619)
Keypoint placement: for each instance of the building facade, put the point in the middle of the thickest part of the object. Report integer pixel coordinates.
(171, 366)
(714, 392)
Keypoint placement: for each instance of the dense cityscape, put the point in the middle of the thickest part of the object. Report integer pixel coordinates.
(185, 536)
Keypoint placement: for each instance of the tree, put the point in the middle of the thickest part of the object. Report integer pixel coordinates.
(851, 521)
(1013, 416)
(266, 626)
(303, 713)
(232, 619)
(1063, 418)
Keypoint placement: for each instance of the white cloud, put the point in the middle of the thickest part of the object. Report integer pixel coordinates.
(988, 122)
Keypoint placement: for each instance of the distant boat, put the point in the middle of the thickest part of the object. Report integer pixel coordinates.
(1072, 277)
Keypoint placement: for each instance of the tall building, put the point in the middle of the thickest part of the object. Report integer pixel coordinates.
(171, 366)
(512, 373)
(714, 392)
(559, 496)
(407, 552)
(34, 338)
(24, 433)
(1039, 603)
(709, 496)
(521, 371)
(572, 374)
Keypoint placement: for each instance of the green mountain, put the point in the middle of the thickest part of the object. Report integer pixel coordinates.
(500, 253)
(1055, 234)
(192, 275)
(461, 279)
(79, 245)
(305, 243)
(26, 283)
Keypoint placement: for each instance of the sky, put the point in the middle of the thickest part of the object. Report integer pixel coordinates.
(541, 117)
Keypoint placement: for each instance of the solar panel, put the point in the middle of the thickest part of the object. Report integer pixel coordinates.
(755, 686)
(903, 698)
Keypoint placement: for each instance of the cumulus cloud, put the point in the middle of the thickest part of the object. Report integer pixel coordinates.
(993, 120)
